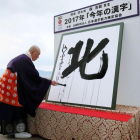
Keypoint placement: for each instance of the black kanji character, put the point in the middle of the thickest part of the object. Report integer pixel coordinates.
(116, 15)
(92, 14)
(115, 9)
(123, 6)
(99, 12)
(86, 59)
(96, 7)
(109, 17)
(81, 17)
(100, 6)
(120, 15)
(90, 9)
(95, 20)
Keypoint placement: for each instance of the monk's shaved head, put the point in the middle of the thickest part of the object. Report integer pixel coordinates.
(34, 48)
(35, 52)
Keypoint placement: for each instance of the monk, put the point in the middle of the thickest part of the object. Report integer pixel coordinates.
(21, 92)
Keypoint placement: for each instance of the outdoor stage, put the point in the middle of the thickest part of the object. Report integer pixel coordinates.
(64, 122)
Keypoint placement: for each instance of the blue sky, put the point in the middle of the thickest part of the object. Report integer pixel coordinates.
(24, 23)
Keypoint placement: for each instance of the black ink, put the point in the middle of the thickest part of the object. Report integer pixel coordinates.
(63, 55)
(92, 14)
(76, 52)
(115, 9)
(98, 75)
(99, 12)
(57, 77)
(60, 64)
(86, 59)
(123, 6)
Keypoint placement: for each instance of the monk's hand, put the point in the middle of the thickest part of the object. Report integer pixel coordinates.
(54, 83)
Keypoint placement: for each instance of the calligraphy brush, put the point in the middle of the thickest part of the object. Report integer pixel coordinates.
(61, 84)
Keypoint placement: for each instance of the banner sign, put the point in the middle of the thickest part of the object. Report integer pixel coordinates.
(96, 14)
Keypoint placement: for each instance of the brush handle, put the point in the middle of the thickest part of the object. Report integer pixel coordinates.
(61, 84)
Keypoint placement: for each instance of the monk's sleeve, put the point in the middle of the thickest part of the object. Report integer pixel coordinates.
(31, 87)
